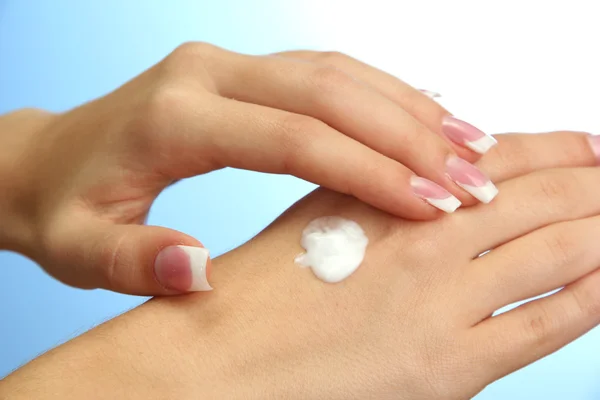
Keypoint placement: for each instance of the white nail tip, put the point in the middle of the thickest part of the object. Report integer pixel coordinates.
(482, 145)
(485, 193)
(448, 205)
(198, 261)
(430, 94)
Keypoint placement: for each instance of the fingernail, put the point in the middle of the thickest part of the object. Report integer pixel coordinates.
(595, 145)
(466, 135)
(434, 194)
(471, 179)
(183, 268)
(430, 94)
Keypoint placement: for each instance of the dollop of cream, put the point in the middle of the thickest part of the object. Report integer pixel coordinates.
(335, 248)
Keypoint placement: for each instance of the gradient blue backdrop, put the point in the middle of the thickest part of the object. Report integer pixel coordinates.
(58, 54)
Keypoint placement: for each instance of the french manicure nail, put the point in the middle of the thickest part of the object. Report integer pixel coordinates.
(471, 179)
(430, 94)
(183, 268)
(434, 194)
(466, 135)
(595, 145)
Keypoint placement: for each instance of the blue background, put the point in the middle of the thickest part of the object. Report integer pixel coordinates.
(58, 54)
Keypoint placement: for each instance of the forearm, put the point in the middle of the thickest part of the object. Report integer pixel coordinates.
(18, 130)
(246, 339)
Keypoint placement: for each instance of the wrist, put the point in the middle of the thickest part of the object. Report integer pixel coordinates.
(19, 131)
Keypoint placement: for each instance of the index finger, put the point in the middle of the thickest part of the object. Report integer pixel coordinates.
(275, 141)
(466, 140)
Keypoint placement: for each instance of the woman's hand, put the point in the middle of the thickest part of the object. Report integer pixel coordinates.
(83, 181)
(413, 322)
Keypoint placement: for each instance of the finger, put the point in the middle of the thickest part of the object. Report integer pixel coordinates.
(468, 141)
(534, 264)
(530, 202)
(520, 154)
(430, 94)
(132, 259)
(519, 337)
(344, 103)
(269, 140)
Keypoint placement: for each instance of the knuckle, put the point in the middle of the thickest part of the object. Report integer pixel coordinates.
(561, 246)
(415, 136)
(110, 255)
(554, 187)
(569, 146)
(163, 97)
(575, 147)
(416, 104)
(159, 106)
(192, 62)
(333, 57)
(297, 128)
(539, 326)
(364, 179)
(295, 135)
(515, 153)
(191, 51)
(329, 79)
(586, 302)
(152, 126)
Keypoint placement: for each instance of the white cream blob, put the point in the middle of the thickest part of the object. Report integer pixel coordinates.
(335, 247)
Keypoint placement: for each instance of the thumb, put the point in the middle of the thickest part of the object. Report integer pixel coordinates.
(132, 259)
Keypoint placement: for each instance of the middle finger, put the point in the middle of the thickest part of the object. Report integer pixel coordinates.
(346, 104)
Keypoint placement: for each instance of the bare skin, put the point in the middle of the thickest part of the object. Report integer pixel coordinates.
(413, 322)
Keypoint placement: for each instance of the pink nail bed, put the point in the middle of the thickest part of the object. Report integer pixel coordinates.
(182, 268)
(466, 135)
(471, 179)
(434, 194)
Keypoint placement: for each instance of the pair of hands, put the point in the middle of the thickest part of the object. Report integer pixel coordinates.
(413, 322)
(80, 184)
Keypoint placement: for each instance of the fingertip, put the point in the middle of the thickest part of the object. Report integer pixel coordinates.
(409, 206)
(467, 136)
(183, 268)
(416, 199)
(437, 175)
(434, 195)
(172, 269)
(471, 179)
